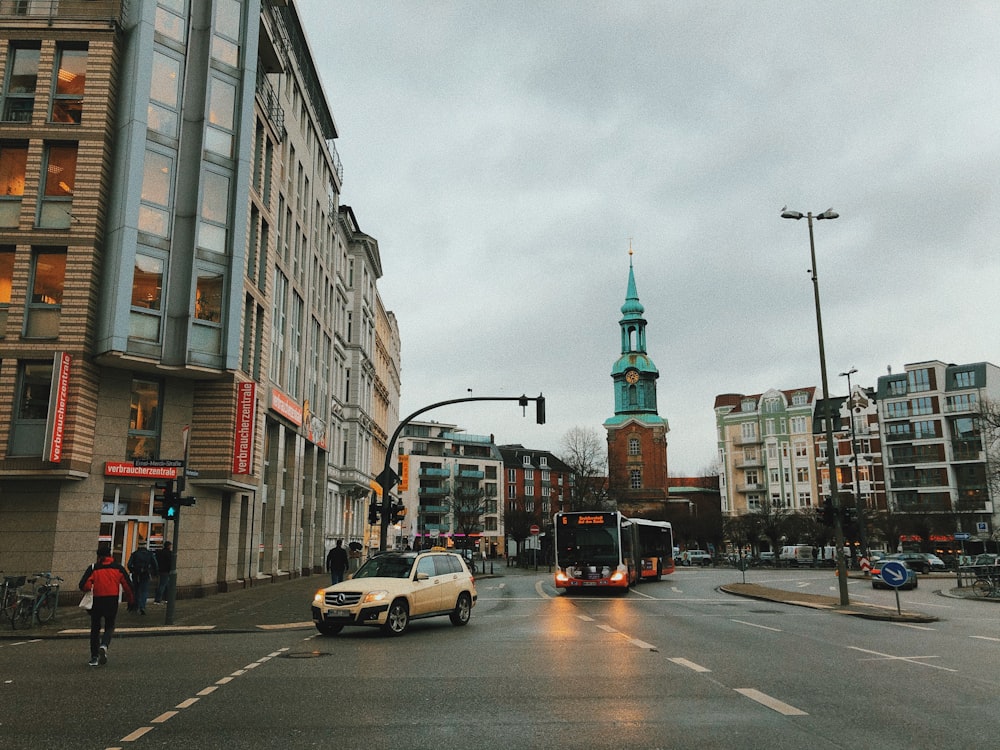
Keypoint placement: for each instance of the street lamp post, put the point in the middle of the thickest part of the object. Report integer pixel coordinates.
(831, 453)
(862, 518)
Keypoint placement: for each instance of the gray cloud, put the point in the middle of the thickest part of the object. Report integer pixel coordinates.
(503, 153)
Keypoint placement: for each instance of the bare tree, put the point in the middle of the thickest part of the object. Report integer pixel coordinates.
(586, 454)
(989, 427)
(467, 502)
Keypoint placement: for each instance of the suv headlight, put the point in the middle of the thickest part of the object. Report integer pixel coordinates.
(374, 596)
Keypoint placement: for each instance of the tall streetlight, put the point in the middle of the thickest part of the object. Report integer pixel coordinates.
(862, 521)
(831, 452)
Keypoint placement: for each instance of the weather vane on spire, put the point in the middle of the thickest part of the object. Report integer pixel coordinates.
(629, 247)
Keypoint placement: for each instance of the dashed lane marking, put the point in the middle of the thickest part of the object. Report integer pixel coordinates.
(689, 664)
(879, 656)
(755, 625)
(773, 703)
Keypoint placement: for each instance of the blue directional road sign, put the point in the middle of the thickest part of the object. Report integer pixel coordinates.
(894, 573)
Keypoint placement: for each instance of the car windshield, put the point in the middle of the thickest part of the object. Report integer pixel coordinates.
(386, 566)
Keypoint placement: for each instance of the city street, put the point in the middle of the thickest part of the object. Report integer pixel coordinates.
(672, 664)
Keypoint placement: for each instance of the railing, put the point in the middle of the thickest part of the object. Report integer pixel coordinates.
(53, 11)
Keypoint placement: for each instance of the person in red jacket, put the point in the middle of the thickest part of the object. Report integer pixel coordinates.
(105, 578)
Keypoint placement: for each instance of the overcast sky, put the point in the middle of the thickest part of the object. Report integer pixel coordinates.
(504, 153)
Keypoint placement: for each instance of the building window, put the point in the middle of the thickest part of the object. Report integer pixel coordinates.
(206, 328)
(214, 212)
(6, 280)
(13, 160)
(48, 274)
(748, 430)
(155, 197)
(635, 479)
(162, 114)
(147, 294)
(170, 15)
(923, 405)
(70, 73)
(798, 425)
(21, 83)
(31, 408)
(800, 398)
(55, 209)
(633, 446)
(543, 461)
(897, 409)
(144, 420)
(965, 379)
(226, 36)
(219, 132)
(919, 380)
(529, 475)
(511, 475)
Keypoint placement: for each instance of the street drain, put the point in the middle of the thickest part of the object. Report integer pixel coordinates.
(304, 654)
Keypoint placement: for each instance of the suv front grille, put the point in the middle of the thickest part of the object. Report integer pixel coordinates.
(342, 598)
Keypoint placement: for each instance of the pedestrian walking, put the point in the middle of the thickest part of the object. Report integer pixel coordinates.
(106, 579)
(164, 563)
(336, 562)
(142, 566)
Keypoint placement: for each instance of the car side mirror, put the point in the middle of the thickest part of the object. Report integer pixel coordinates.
(422, 577)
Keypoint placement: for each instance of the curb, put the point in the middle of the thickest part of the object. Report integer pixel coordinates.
(829, 604)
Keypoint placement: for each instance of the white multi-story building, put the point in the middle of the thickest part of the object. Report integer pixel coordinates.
(450, 487)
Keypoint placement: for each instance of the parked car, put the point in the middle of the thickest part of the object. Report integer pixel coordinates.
(878, 583)
(767, 557)
(696, 557)
(394, 588)
(922, 562)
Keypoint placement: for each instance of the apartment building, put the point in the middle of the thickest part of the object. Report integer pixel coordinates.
(181, 294)
(449, 485)
(537, 484)
(766, 450)
(936, 463)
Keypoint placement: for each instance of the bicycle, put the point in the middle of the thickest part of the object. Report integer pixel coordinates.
(986, 586)
(8, 595)
(40, 603)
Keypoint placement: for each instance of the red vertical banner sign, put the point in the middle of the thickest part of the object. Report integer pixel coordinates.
(246, 419)
(55, 427)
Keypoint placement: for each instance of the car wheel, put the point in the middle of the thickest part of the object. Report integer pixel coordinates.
(915, 583)
(326, 628)
(463, 610)
(397, 619)
(875, 585)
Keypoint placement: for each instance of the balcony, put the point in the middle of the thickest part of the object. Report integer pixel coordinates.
(432, 491)
(750, 463)
(426, 471)
(744, 440)
(434, 509)
(470, 474)
(751, 487)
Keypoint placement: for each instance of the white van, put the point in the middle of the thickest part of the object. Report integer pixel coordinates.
(796, 554)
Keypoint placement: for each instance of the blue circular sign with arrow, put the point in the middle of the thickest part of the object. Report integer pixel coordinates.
(894, 573)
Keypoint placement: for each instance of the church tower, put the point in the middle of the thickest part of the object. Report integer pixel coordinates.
(637, 435)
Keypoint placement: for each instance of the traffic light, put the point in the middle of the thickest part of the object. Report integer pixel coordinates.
(540, 409)
(398, 512)
(374, 510)
(828, 515)
(163, 498)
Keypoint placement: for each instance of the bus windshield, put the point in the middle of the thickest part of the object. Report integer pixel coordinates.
(593, 545)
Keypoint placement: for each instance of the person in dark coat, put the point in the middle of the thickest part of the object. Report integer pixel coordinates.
(164, 562)
(336, 562)
(106, 579)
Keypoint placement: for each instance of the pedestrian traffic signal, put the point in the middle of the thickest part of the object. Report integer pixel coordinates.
(163, 498)
(374, 511)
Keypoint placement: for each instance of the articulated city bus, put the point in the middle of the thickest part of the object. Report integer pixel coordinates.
(656, 548)
(599, 550)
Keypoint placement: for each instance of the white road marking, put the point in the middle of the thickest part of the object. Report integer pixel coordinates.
(911, 659)
(607, 628)
(772, 703)
(689, 664)
(586, 618)
(643, 644)
(911, 625)
(755, 625)
(985, 638)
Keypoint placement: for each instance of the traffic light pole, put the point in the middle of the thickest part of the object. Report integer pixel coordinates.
(389, 479)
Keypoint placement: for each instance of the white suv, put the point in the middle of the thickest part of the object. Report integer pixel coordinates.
(393, 588)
